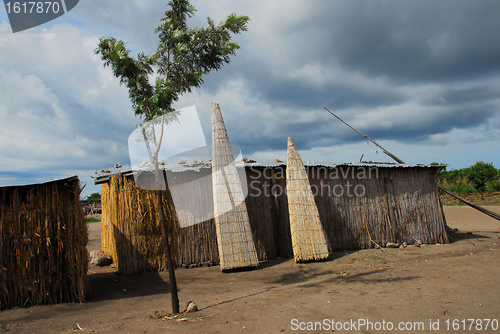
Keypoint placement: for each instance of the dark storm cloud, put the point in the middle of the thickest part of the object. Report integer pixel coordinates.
(452, 47)
(131, 21)
(412, 40)
(421, 130)
(297, 94)
(410, 72)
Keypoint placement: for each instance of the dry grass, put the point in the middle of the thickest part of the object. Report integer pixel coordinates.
(476, 198)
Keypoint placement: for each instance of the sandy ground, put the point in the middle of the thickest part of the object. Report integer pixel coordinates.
(373, 290)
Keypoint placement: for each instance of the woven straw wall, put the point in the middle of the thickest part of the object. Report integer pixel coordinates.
(234, 235)
(43, 239)
(308, 238)
(399, 204)
(131, 233)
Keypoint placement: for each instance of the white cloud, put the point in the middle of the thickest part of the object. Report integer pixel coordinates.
(60, 110)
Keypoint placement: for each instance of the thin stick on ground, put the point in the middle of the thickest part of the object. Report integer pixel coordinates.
(369, 235)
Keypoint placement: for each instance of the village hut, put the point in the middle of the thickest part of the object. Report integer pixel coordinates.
(360, 205)
(308, 238)
(43, 239)
(234, 235)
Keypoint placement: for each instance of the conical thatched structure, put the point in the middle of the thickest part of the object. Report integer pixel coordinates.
(308, 239)
(234, 236)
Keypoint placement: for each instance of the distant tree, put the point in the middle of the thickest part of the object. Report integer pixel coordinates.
(493, 186)
(441, 172)
(94, 197)
(183, 56)
(456, 180)
(480, 174)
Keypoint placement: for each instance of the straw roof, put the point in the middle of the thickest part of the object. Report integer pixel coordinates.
(308, 239)
(234, 235)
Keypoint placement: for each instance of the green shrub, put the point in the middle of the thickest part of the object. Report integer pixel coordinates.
(480, 174)
(90, 220)
(493, 186)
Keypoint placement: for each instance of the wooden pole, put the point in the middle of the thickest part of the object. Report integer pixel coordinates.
(160, 178)
(477, 207)
(168, 253)
(373, 141)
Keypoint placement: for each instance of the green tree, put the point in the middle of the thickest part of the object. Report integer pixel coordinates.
(441, 172)
(183, 56)
(455, 179)
(94, 197)
(493, 186)
(480, 174)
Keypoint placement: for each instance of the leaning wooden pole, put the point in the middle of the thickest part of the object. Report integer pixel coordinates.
(234, 235)
(368, 138)
(308, 238)
(477, 207)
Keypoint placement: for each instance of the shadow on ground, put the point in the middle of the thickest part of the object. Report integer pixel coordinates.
(109, 286)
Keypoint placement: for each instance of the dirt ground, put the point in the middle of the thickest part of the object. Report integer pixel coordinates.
(368, 291)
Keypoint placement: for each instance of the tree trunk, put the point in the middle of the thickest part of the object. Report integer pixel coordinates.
(163, 222)
(168, 254)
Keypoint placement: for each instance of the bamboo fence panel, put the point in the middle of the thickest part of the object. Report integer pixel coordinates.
(396, 205)
(264, 204)
(308, 239)
(43, 238)
(109, 198)
(131, 232)
(234, 234)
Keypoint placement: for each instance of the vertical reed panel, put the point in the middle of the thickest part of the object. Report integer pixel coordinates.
(43, 238)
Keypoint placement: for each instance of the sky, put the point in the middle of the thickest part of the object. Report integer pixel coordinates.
(422, 78)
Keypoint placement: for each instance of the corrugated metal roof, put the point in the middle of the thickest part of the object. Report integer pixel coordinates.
(103, 175)
(56, 180)
(370, 164)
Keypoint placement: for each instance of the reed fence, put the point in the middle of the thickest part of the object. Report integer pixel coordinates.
(396, 203)
(43, 239)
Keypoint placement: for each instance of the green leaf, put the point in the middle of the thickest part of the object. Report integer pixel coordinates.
(184, 55)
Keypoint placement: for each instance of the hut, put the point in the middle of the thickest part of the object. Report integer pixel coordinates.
(358, 204)
(43, 239)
